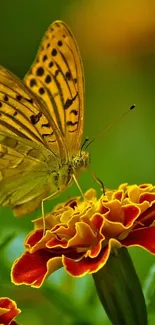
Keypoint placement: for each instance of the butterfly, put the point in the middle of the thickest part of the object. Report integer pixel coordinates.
(41, 124)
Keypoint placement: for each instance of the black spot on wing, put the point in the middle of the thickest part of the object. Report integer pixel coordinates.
(18, 97)
(54, 52)
(47, 134)
(70, 123)
(41, 91)
(47, 125)
(68, 75)
(30, 100)
(35, 118)
(5, 98)
(33, 82)
(40, 71)
(48, 79)
(69, 102)
(45, 58)
(59, 43)
(56, 73)
(51, 64)
(74, 111)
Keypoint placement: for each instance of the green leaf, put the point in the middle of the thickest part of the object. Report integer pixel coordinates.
(120, 291)
(149, 289)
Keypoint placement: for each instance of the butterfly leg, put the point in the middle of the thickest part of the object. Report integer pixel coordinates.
(77, 183)
(42, 208)
(100, 183)
(97, 180)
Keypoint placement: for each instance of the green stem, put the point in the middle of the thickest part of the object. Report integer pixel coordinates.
(120, 291)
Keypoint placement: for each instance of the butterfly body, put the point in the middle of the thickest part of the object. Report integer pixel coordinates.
(61, 177)
(64, 174)
(43, 177)
(41, 124)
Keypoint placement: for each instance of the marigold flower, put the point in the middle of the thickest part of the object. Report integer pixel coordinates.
(8, 311)
(80, 234)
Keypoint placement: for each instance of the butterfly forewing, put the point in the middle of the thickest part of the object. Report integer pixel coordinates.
(57, 78)
(22, 114)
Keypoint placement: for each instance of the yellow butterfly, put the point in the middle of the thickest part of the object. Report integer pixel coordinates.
(41, 124)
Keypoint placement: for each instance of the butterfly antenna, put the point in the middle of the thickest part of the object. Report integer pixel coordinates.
(109, 127)
(84, 142)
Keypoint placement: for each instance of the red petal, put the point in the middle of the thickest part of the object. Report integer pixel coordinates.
(86, 265)
(131, 212)
(89, 265)
(8, 311)
(32, 269)
(146, 218)
(144, 237)
(150, 197)
(97, 221)
(34, 237)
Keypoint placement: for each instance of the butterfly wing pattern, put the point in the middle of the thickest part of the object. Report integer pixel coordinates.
(57, 78)
(41, 123)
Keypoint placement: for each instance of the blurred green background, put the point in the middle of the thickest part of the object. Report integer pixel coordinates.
(117, 44)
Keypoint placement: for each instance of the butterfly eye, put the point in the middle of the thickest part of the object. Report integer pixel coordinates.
(77, 162)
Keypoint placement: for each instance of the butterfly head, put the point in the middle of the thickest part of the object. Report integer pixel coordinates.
(80, 161)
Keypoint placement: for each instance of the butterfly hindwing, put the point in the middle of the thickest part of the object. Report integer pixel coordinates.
(24, 169)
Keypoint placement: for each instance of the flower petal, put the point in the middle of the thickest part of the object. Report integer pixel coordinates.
(32, 269)
(89, 265)
(144, 237)
(80, 233)
(8, 311)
